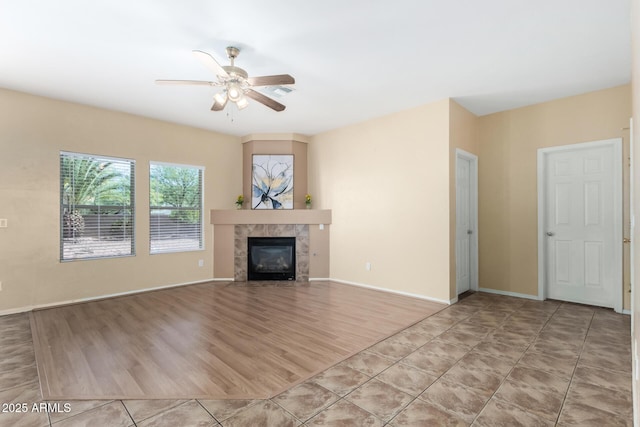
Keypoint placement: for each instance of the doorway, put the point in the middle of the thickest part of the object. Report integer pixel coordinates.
(580, 223)
(466, 222)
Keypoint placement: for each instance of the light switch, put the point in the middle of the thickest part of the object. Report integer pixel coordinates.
(3, 223)
(321, 226)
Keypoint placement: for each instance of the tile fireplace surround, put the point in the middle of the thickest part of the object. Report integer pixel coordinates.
(233, 227)
(244, 231)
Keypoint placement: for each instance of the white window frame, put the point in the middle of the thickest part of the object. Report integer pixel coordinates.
(151, 208)
(62, 205)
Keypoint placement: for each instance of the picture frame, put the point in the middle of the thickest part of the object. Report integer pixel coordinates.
(272, 181)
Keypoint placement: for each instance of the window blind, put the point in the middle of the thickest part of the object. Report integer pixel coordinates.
(175, 207)
(96, 206)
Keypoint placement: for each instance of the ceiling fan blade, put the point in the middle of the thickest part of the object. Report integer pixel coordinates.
(210, 62)
(187, 82)
(271, 103)
(219, 106)
(280, 79)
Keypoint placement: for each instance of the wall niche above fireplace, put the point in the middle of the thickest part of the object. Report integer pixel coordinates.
(276, 145)
(310, 227)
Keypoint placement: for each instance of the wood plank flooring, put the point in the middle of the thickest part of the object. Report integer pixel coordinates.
(212, 340)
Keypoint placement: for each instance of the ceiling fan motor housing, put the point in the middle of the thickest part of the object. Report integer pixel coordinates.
(235, 72)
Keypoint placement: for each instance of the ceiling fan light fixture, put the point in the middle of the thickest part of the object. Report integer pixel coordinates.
(220, 98)
(234, 92)
(242, 103)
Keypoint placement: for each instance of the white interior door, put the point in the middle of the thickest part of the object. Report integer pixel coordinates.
(580, 224)
(466, 247)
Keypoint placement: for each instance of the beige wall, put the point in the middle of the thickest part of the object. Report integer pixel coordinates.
(463, 134)
(387, 183)
(507, 176)
(33, 130)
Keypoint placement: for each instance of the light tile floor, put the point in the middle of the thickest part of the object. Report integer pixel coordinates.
(486, 361)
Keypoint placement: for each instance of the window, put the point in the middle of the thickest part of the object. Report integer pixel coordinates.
(175, 207)
(96, 207)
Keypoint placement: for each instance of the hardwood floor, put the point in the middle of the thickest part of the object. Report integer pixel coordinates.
(212, 340)
(487, 360)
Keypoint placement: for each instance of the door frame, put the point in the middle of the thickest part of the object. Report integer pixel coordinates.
(473, 189)
(616, 144)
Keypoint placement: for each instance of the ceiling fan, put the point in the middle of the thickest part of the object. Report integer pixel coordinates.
(235, 82)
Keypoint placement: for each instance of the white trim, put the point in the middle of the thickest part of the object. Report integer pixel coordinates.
(178, 165)
(473, 177)
(625, 311)
(616, 144)
(96, 156)
(509, 294)
(393, 291)
(202, 210)
(541, 207)
(632, 257)
(100, 297)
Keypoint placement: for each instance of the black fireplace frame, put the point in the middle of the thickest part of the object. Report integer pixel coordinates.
(270, 242)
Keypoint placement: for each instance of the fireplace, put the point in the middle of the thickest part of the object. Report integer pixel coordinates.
(271, 258)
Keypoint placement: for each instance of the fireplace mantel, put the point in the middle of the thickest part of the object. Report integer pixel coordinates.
(229, 251)
(270, 216)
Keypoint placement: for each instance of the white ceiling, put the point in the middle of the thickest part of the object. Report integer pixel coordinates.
(352, 59)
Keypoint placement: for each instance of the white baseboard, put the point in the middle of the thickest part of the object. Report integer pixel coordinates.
(222, 279)
(393, 291)
(527, 296)
(509, 294)
(100, 297)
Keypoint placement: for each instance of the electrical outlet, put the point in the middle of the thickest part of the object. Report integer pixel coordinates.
(367, 266)
(3, 223)
(201, 263)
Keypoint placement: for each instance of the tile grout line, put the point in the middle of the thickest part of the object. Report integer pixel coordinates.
(515, 364)
(506, 375)
(399, 361)
(550, 316)
(389, 367)
(405, 356)
(128, 412)
(205, 409)
(443, 373)
(573, 372)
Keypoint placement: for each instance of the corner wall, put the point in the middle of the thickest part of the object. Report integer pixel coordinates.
(33, 131)
(507, 176)
(463, 134)
(387, 183)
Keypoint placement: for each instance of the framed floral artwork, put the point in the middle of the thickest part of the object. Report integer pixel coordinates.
(272, 181)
